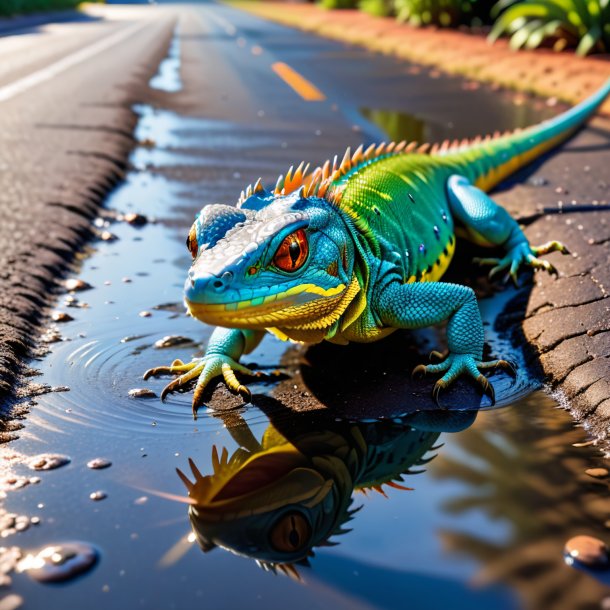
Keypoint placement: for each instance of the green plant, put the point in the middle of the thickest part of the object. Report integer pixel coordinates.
(443, 13)
(15, 7)
(378, 8)
(332, 4)
(584, 24)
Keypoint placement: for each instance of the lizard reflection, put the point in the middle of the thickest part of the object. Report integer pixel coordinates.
(275, 500)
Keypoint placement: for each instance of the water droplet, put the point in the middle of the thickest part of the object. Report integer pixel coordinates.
(59, 562)
(47, 461)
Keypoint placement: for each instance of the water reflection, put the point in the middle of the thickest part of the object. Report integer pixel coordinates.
(276, 499)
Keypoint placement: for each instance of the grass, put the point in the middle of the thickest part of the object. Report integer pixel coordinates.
(9, 8)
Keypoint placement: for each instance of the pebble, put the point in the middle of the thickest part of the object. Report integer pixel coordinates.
(145, 314)
(12, 601)
(587, 550)
(61, 316)
(96, 496)
(538, 181)
(99, 463)
(135, 219)
(172, 341)
(598, 473)
(76, 285)
(59, 562)
(141, 393)
(108, 236)
(47, 461)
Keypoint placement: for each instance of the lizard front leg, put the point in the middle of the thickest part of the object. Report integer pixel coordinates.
(487, 223)
(225, 348)
(419, 305)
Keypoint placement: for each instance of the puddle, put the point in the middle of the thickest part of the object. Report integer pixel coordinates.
(484, 525)
(168, 77)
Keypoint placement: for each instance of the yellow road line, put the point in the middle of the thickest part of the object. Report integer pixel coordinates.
(301, 85)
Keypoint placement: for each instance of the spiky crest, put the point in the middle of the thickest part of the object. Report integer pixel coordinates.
(321, 182)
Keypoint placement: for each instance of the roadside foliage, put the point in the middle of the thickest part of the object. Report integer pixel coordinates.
(580, 24)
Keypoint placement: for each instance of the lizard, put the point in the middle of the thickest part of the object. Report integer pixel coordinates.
(276, 499)
(356, 249)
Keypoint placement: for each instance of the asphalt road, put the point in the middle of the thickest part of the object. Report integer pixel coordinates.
(66, 90)
(285, 96)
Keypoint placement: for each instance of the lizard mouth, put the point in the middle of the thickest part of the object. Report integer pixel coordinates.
(297, 306)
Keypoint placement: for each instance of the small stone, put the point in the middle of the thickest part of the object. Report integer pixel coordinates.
(12, 601)
(108, 236)
(587, 550)
(135, 219)
(126, 280)
(99, 463)
(141, 393)
(598, 473)
(148, 143)
(61, 316)
(538, 181)
(47, 461)
(145, 314)
(76, 285)
(172, 341)
(96, 496)
(59, 562)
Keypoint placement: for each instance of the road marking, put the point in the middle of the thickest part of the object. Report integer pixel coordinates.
(300, 84)
(27, 82)
(226, 25)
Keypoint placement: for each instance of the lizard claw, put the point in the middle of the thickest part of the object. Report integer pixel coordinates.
(204, 370)
(435, 356)
(419, 372)
(438, 386)
(487, 388)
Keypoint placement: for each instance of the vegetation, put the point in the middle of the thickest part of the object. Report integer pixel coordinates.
(443, 13)
(584, 24)
(331, 4)
(16, 7)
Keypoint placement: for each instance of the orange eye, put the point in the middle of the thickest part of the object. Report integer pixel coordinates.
(292, 252)
(291, 533)
(191, 242)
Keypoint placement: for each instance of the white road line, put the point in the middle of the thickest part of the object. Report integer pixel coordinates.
(226, 25)
(27, 82)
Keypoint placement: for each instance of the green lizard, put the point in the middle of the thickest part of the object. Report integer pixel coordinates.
(274, 500)
(355, 250)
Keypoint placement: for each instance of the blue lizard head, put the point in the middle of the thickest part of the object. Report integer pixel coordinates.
(276, 260)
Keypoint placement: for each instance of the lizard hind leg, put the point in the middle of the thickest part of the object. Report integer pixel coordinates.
(489, 224)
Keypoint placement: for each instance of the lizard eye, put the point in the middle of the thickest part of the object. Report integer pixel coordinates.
(191, 242)
(291, 533)
(292, 252)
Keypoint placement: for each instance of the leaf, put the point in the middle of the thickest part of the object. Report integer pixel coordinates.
(589, 40)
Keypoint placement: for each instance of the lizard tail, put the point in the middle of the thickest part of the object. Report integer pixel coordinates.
(486, 162)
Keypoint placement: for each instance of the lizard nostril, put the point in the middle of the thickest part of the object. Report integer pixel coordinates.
(217, 284)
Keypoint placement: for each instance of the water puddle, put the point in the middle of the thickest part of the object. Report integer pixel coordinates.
(478, 505)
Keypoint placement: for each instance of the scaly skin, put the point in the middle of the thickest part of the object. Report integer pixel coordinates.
(355, 250)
